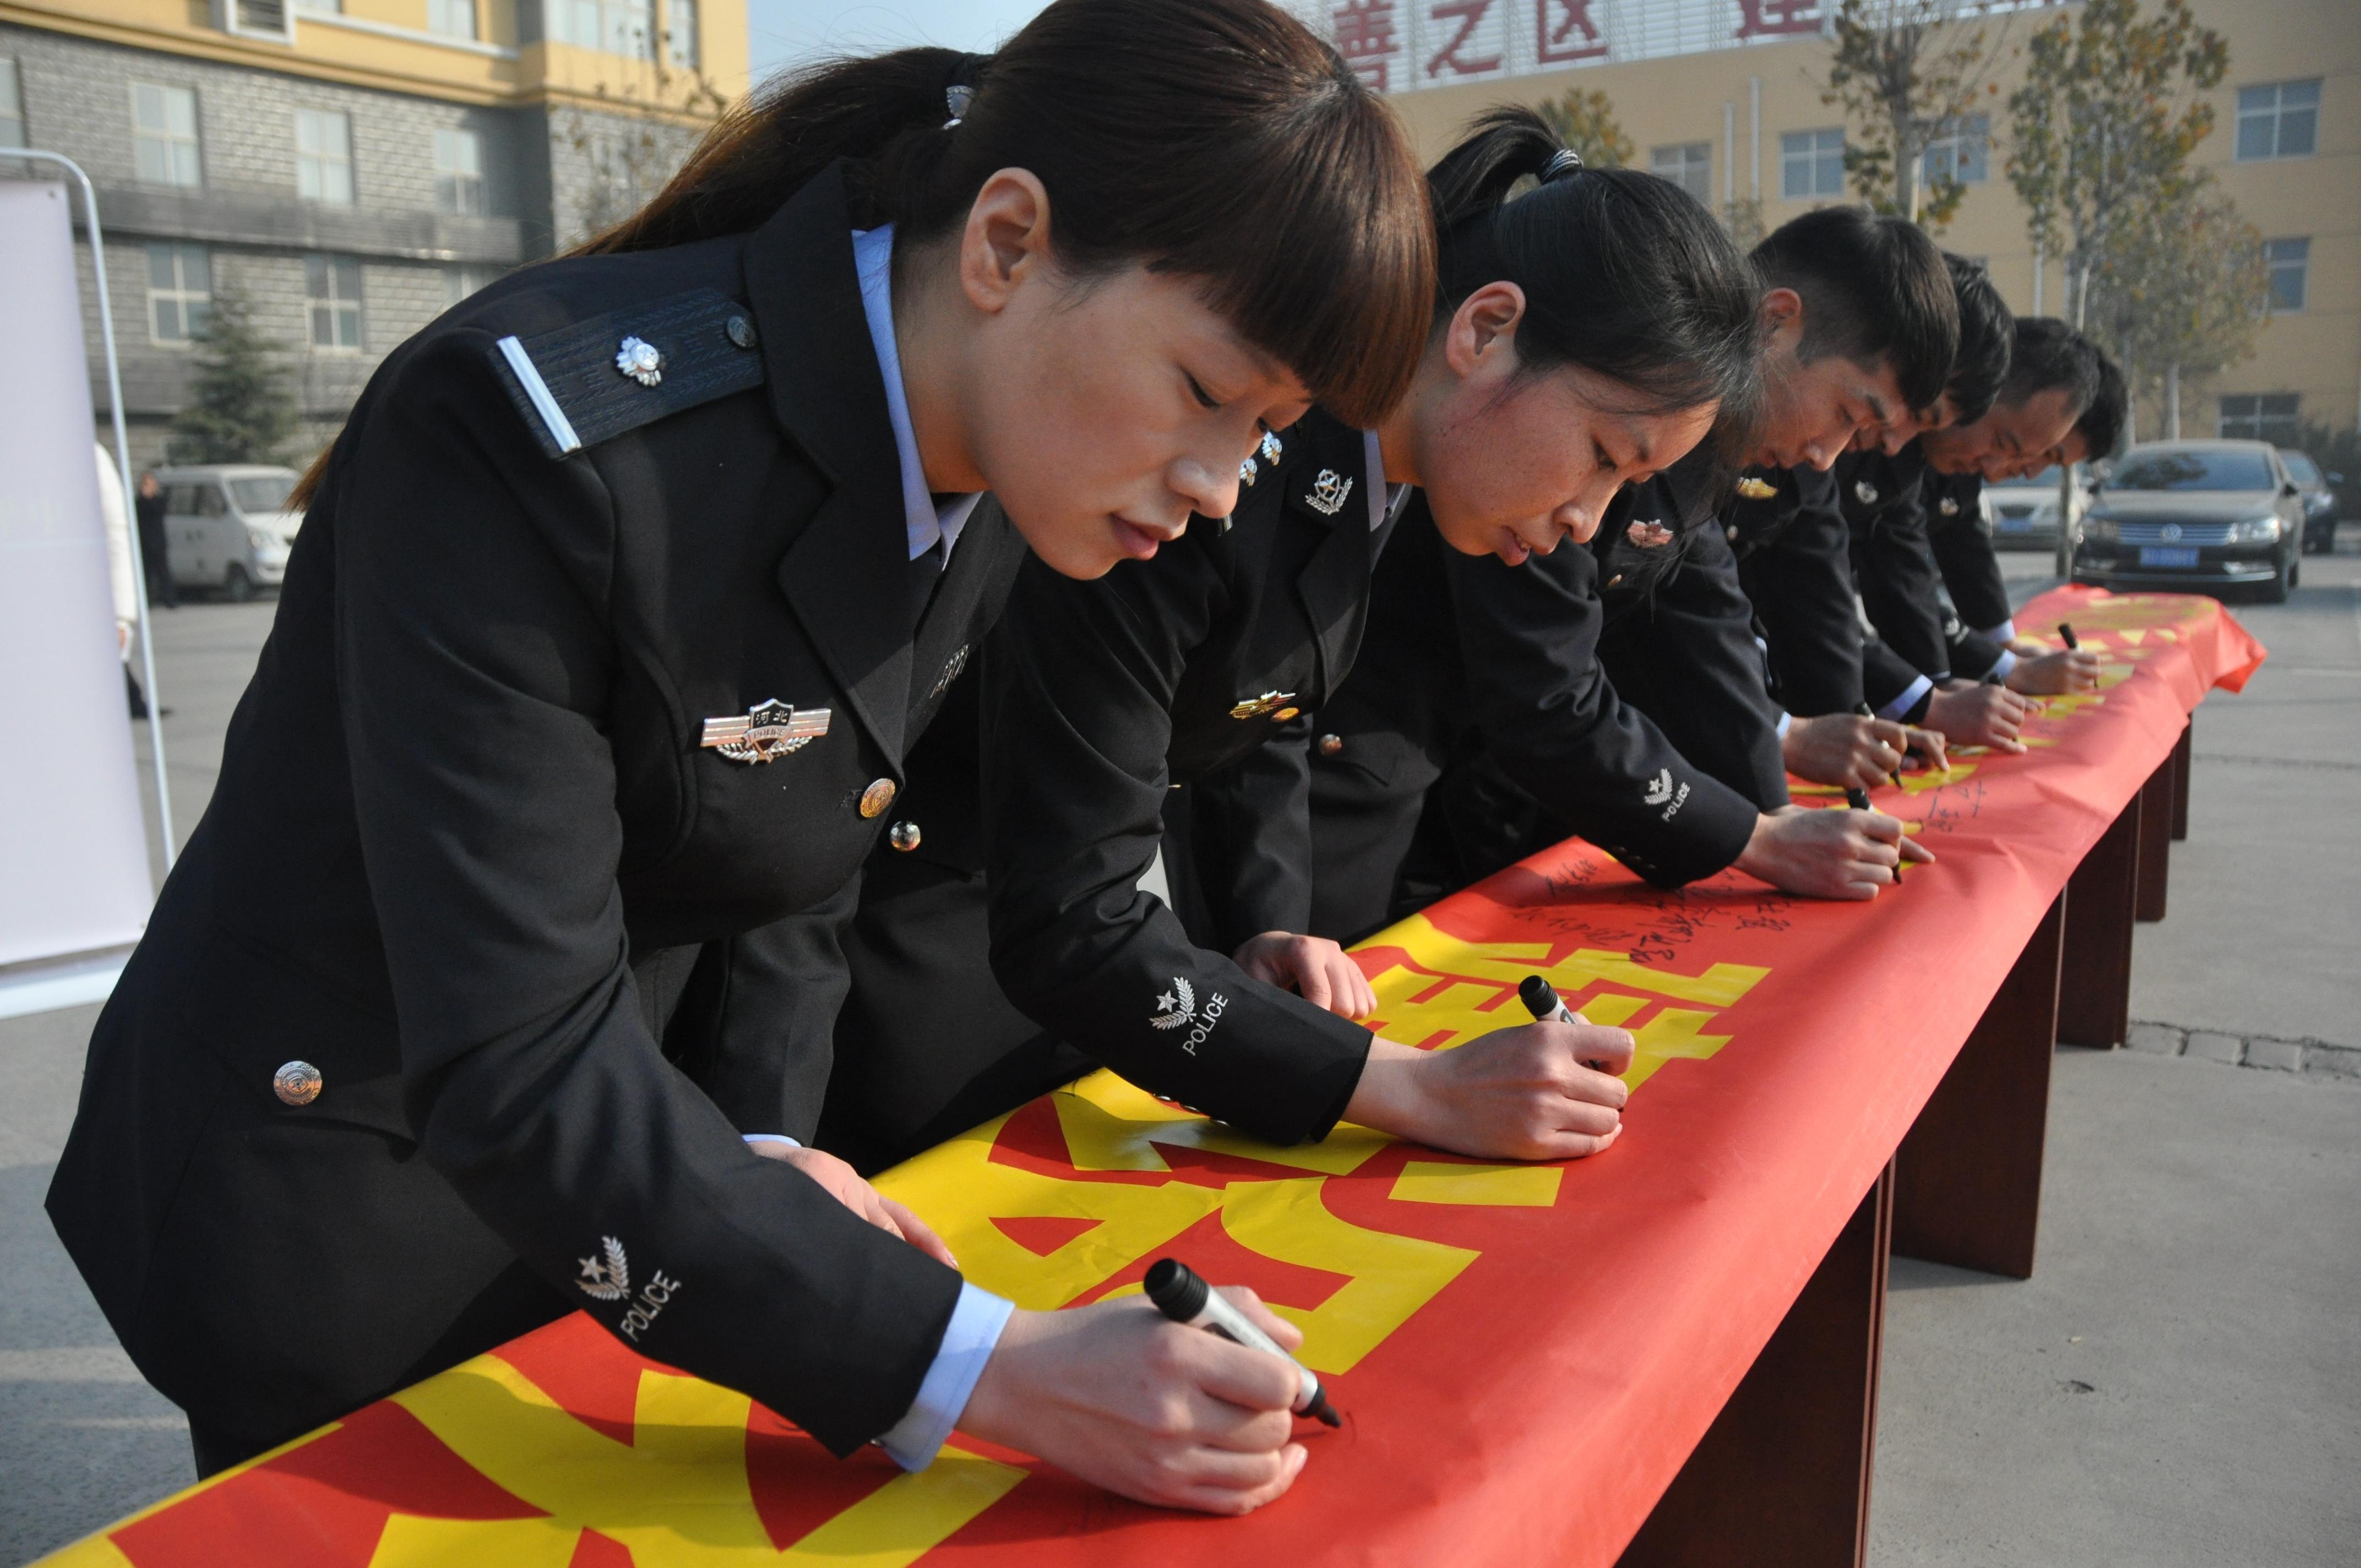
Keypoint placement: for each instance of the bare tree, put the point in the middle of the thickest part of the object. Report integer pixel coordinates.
(1908, 73)
(2185, 294)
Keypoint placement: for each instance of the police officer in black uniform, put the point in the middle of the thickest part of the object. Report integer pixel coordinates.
(1482, 679)
(483, 956)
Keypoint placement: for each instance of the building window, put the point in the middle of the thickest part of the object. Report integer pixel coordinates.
(12, 108)
(1961, 153)
(324, 157)
(180, 292)
(327, 7)
(460, 282)
(164, 134)
(2262, 416)
(452, 18)
(680, 33)
(1811, 163)
(331, 286)
(2280, 119)
(2289, 260)
(617, 27)
(460, 173)
(1688, 166)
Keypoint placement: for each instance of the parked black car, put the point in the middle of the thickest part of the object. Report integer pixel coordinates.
(2195, 515)
(2318, 498)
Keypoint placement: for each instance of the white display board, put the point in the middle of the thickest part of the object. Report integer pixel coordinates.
(73, 851)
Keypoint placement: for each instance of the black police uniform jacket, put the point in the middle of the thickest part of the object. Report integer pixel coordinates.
(466, 847)
(1793, 561)
(1191, 670)
(1482, 713)
(1897, 510)
(1960, 537)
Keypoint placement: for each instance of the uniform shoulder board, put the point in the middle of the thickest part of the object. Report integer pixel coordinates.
(590, 382)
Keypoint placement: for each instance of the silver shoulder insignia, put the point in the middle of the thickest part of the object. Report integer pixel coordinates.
(640, 361)
(1328, 492)
(768, 731)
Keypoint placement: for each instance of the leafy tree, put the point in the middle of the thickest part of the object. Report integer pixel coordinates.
(2184, 294)
(2102, 128)
(240, 409)
(1585, 122)
(1905, 72)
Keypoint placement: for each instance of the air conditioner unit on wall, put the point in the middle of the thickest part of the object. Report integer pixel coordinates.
(271, 19)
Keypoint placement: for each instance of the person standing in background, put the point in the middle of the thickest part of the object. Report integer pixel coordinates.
(155, 551)
(115, 520)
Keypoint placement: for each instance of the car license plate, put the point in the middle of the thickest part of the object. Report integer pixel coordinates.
(2014, 524)
(2167, 554)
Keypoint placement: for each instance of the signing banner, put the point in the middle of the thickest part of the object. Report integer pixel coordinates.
(1524, 1355)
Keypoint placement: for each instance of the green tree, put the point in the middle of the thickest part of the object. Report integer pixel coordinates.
(1585, 122)
(2185, 294)
(240, 409)
(2102, 128)
(1907, 73)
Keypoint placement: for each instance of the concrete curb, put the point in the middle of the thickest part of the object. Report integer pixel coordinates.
(2314, 1058)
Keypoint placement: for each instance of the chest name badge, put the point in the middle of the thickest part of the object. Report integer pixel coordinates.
(768, 731)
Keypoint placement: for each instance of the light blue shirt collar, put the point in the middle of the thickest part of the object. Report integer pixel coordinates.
(872, 257)
(1384, 499)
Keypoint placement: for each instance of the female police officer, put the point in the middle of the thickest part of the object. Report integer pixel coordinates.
(1607, 341)
(621, 599)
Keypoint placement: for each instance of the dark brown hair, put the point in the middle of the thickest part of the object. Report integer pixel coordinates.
(1214, 140)
(1875, 289)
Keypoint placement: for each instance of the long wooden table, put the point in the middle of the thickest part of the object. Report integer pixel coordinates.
(1667, 1354)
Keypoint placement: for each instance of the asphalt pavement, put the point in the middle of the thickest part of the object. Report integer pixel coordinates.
(2179, 1383)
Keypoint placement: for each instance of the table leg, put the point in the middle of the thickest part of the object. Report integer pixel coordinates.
(2157, 802)
(2181, 781)
(1781, 1479)
(1967, 1181)
(2095, 992)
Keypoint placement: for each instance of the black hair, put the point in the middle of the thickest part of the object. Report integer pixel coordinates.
(1624, 274)
(2102, 422)
(1987, 332)
(1214, 139)
(2049, 355)
(1874, 290)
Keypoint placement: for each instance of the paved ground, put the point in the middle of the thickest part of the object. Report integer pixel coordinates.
(2181, 1384)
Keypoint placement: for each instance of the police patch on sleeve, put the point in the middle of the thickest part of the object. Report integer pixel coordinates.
(592, 381)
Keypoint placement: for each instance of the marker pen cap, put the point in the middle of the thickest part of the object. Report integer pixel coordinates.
(2066, 634)
(1538, 996)
(1857, 799)
(1178, 1290)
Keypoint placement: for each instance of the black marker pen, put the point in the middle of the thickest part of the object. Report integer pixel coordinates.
(1540, 999)
(1181, 1295)
(1859, 800)
(2066, 632)
(1866, 711)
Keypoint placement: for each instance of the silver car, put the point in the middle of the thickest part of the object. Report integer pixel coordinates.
(2195, 515)
(2022, 514)
(227, 526)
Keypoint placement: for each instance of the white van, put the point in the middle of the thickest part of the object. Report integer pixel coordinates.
(229, 526)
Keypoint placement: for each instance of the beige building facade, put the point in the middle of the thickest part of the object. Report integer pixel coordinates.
(1725, 97)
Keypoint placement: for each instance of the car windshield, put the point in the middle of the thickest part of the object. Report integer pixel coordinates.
(262, 492)
(2301, 468)
(2193, 469)
(2045, 480)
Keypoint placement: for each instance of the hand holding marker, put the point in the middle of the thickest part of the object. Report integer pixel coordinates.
(2066, 632)
(1181, 1295)
(1540, 999)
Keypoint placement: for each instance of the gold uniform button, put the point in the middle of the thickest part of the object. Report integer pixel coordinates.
(903, 835)
(1284, 714)
(297, 1084)
(1331, 744)
(877, 797)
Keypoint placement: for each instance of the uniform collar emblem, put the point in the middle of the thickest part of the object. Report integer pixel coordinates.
(1866, 491)
(1256, 707)
(638, 358)
(768, 731)
(1649, 535)
(1753, 489)
(1269, 447)
(1328, 493)
(1247, 473)
(1948, 506)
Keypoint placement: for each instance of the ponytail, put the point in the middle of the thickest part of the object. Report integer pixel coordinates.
(1624, 274)
(1214, 139)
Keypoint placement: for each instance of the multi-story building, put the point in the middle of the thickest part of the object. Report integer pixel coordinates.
(1725, 97)
(351, 168)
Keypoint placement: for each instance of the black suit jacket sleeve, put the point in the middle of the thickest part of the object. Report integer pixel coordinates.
(484, 791)
(1898, 581)
(1080, 679)
(1695, 670)
(1529, 638)
(1250, 832)
(1801, 586)
(1964, 551)
(1885, 675)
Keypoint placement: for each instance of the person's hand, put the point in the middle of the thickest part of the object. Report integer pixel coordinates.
(1928, 746)
(1971, 714)
(2055, 675)
(1536, 1091)
(844, 1184)
(1127, 1399)
(1844, 748)
(1829, 854)
(1313, 967)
